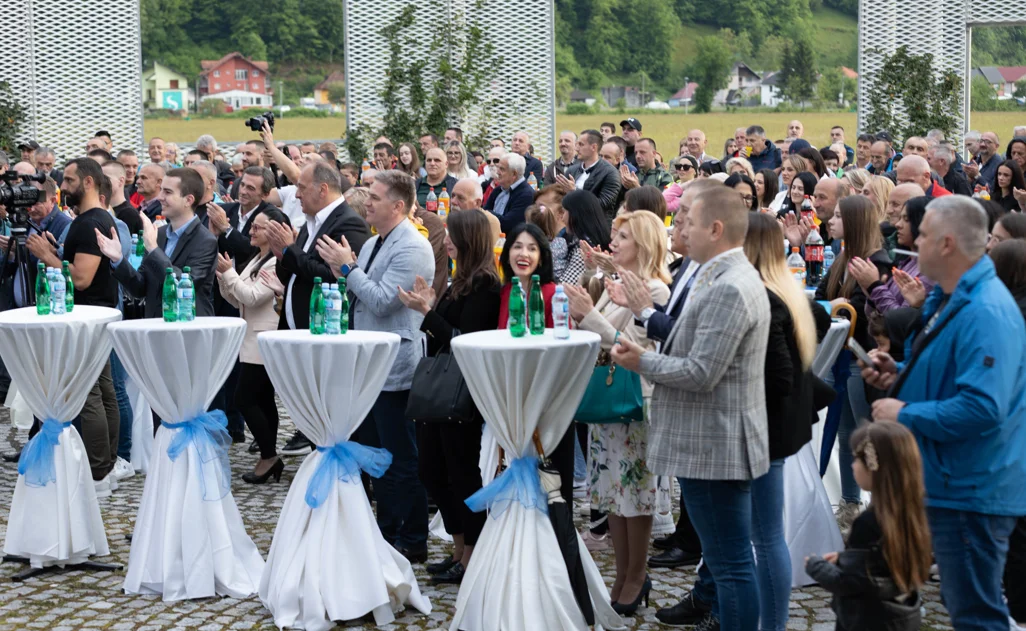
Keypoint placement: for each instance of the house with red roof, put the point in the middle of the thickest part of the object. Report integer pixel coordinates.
(1001, 78)
(236, 80)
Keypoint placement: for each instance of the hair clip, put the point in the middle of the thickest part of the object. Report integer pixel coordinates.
(869, 455)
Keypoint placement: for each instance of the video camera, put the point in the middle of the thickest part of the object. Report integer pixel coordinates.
(19, 195)
(257, 122)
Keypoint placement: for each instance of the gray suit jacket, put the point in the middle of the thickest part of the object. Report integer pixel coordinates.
(404, 256)
(708, 410)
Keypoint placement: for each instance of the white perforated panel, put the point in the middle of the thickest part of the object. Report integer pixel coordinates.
(941, 28)
(77, 67)
(522, 33)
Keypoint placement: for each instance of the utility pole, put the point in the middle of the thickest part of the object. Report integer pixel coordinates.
(686, 97)
(281, 97)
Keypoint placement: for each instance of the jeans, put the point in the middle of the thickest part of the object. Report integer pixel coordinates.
(721, 512)
(773, 568)
(1015, 570)
(401, 498)
(970, 550)
(854, 413)
(118, 374)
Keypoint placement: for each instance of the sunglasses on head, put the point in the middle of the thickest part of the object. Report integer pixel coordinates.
(493, 161)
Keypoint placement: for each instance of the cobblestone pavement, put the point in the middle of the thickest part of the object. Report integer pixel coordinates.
(80, 600)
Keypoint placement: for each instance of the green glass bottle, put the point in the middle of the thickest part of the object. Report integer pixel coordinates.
(42, 291)
(169, 298)
(317, 310)
(345, 304)
(140, 248)
(517, 310)
(536, 307)
(69, 295)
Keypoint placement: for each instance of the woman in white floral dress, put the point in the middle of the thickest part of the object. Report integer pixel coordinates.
(619, 481)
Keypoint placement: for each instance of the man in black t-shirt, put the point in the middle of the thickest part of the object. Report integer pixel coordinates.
(96, 286)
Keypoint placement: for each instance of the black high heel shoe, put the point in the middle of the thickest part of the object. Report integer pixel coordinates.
(630, 608)
(274, 471)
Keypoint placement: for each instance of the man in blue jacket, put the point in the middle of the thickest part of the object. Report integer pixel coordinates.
(509, 201)
(962, 392)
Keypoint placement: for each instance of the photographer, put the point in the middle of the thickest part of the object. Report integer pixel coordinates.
(284, 197)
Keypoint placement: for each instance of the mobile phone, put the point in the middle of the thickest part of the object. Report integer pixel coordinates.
(860, 352)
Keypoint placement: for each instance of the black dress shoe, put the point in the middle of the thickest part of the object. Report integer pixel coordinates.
(443, 566)
(688, 611)
(414, 556)
(665, 543)
(452, 576)
(298, 445)
(674, 557)
(238, 436)
(254, 448)
(14, 456)
(709, 623)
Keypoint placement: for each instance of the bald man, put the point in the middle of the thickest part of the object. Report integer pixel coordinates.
(467, 195)
(916, 170)
(916, 146)
(795, 129)
(899, 195)
(982, 170)
(696, 143)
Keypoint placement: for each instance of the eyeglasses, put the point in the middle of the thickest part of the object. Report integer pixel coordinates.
(748, 199)
(453, 154)
(683, 167)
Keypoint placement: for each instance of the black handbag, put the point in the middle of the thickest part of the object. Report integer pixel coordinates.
(439, 392)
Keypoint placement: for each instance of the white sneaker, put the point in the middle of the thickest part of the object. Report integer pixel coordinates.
(122, 469)
(102, 487)
(113, 481)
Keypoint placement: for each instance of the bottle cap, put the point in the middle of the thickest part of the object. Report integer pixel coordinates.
(794, 249)
(169, 270)
(186, 269)
(333, 286)
(317, 280)
(535, 277)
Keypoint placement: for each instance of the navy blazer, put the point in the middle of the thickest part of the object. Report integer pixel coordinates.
(534, 165)
(661, 322)
(515, 213)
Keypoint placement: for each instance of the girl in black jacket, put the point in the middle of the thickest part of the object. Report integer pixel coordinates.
(887, 558)
(450, 451)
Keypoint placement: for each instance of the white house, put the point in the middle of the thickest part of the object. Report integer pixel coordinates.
(239, 99)
(769, 91)
(742, 87)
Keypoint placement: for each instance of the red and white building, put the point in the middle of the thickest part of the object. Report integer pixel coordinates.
(237, 81)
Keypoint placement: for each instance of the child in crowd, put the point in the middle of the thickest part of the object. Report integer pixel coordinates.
(887, 557)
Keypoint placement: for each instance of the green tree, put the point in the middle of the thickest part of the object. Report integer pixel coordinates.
(602, 38)
(710, 70)
(656, 23)
(1020, 89)
(982, 96)
(798, 71)
(925, 98)
(12, 115)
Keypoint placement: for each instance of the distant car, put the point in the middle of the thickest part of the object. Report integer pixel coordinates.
(657, 105)
(284, 108)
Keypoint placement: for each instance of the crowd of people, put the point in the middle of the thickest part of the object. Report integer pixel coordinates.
(930, 254)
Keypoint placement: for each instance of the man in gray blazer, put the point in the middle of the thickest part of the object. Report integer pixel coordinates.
(708, 407)
(392, 259)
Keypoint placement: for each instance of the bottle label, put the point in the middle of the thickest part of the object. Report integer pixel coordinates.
(814, 253)
(431, 206)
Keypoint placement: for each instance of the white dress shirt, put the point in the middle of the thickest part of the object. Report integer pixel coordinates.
(585, 172)
(313, 225)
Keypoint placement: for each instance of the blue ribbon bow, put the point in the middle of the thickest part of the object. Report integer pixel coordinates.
(36, 462)
(520, 483)
(209, 435)
(343, 462)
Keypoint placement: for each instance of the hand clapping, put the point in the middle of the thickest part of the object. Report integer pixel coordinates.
(421, 299)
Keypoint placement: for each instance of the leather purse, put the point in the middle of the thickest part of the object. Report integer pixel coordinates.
(439, 392)
(613, 395)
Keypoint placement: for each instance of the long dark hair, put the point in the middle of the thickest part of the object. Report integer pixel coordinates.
(915, 209)
(273, 214)
(1016, 183)
(769, 176)
(809, 181)
(815, 160)
(544, 269)
(741, 178)
(585, 219)
(862, 238)
(647, 198)
(471, 233)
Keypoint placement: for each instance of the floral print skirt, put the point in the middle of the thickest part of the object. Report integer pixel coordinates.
(618, 478)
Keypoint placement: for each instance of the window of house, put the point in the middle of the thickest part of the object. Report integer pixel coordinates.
(259, 101)
(241, 75)
(174, 83)
(256, 73)
(149, 95)
(217, 73)
(256, 86)
(217, 86)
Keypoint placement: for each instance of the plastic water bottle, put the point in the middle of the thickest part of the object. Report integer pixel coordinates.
(186, 298)
(828, 260)
(57, 292)
(69, 293)
(536, 307)
(159, 222)
(333, 326)
(532, 182)
(169, 296)
(561, 314)
(443, 204)
(343, 306)
(517, 310)
(42, 291)
(796, 264)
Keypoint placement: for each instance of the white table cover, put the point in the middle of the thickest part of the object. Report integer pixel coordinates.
(517, 579)
(142, 427)
(54, 361)
(184, 546)
(331, 562)
(809, 524)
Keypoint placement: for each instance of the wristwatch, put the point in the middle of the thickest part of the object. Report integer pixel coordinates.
(646, 313)
(347, 269)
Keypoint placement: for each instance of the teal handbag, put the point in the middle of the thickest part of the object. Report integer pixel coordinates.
(613, 395)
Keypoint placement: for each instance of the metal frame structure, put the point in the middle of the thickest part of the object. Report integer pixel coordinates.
(77, 68)
(942, 28)
(523, 34)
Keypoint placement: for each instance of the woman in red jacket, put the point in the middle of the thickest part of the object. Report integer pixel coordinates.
(526, 253)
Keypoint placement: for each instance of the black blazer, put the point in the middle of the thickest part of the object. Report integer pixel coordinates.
(515, 213)
(789, 407)
(661, 323)
(305, 266)
(603, 182)
(196, 249)
(535, 166)
(476, 311)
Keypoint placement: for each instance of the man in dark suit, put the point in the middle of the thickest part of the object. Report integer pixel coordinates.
(319, 189)
(593, 174)
(181, 243)
(521, 146)
(509, 202)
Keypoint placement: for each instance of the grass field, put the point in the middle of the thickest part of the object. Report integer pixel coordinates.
(665, 128)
